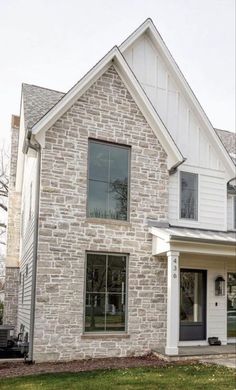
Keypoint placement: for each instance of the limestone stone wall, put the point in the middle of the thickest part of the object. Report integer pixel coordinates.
(11, 296)
(105, 112)
(13, 234)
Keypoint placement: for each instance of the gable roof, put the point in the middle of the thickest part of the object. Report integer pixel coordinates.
(44, 106)
(149, 28)
(229, 141)
(113, 58)
(37, 102)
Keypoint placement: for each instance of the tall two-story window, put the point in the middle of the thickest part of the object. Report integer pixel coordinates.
(108, 180)
(105, 293)
(188, 195)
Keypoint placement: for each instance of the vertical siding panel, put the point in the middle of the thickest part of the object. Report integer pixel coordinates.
(27, 244)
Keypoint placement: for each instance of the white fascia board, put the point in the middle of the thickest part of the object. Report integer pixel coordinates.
(160, 247)
(74, 93)
(149, 28)
(174, 155)
(160, 233)
(203, 248)
(115, 58)
(136, 34)
(163, 242)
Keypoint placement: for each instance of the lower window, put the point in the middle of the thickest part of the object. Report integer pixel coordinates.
(105, 293)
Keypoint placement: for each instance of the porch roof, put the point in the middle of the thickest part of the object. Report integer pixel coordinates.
(193, 240)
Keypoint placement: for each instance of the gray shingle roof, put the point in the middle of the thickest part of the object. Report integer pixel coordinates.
(37, 102)
(229, 141)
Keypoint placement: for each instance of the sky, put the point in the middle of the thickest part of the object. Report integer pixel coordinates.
(53, 43)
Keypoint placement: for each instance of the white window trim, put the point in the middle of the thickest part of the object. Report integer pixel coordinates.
(188, 220)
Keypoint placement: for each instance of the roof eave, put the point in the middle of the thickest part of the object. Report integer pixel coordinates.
(74, 93)
(115, 57)
(175, 157)
(149, 28)
(167, 237)
(201, 240)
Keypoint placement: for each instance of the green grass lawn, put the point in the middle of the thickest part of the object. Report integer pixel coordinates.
(169, 377)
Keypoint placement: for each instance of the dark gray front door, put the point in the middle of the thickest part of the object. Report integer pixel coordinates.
(192, 304)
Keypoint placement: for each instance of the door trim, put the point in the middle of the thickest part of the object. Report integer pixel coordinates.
(205, 273)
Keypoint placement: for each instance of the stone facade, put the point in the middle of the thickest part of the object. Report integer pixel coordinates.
(105, 112)
(11, 296)
(13, 229)
(15, 124)
(13, 234)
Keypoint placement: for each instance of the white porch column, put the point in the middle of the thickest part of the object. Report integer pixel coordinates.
(173, 290)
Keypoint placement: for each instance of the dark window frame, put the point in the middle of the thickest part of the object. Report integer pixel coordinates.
(197, 196)
(125, 331)
(118, 145)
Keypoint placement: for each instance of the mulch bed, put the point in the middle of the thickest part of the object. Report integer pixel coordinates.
(13, 369)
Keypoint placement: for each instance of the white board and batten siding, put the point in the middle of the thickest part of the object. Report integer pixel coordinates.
(212, 202)
(231, 212)
(187, 129)
(27, 242)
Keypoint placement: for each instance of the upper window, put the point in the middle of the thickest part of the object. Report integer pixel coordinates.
(105, 292)
(108, 180)
(188, 195)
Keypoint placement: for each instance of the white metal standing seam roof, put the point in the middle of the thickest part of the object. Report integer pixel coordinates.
(185, 234)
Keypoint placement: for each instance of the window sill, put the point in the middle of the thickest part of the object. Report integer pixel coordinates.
(189, 220)
(101, 221)
(105, 336)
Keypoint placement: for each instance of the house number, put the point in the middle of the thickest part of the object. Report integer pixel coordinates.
(174, 269)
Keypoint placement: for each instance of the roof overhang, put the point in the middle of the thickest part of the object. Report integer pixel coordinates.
(192, 241)
(149, 28)
(115, 58)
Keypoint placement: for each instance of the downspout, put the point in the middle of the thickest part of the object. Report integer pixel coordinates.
(37, 148)
(176, 166)
(234, 178)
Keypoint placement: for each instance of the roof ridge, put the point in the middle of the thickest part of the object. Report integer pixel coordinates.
(38, 86)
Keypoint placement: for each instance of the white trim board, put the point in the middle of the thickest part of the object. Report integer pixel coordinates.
(115, 58)
(149, 28)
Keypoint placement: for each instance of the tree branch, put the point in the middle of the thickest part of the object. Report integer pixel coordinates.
(3, 206)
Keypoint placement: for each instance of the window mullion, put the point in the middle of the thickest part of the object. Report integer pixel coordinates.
(108, 184)
(106, 300)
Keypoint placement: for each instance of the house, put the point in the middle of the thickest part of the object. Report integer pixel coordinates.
(121, 231)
